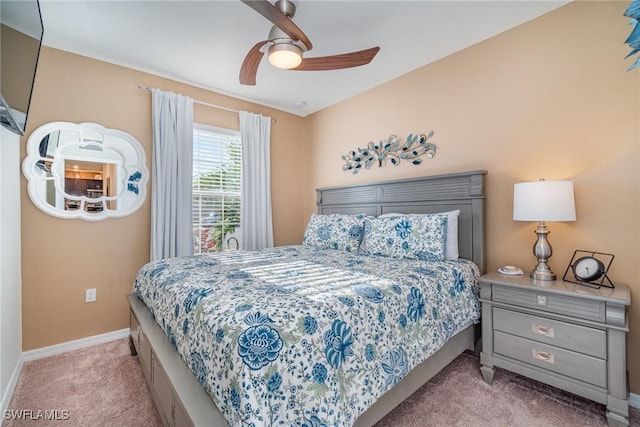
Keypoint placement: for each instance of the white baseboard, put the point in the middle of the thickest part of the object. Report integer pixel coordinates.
(39, 353)
(11, 386)
(634, 400)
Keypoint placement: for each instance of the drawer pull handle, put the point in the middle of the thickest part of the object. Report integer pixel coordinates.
(544, 356)
(543, 330)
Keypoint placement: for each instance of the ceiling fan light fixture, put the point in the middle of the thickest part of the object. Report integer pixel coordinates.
(286, 44)
(285, 55)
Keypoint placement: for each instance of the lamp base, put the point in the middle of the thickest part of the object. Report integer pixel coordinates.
(542, 275)
(542, 250)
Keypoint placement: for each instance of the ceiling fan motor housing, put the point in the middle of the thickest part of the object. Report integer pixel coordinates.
(276, 35)
(287, 7)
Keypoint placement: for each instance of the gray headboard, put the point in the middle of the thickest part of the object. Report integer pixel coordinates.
(427, 194)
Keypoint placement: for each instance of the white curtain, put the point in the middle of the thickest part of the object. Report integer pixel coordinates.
(255, 212)
(171, 226)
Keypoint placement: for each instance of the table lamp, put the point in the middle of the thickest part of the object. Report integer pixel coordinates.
(543, 201)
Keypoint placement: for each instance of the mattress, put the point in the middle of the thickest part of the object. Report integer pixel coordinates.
(305, 336)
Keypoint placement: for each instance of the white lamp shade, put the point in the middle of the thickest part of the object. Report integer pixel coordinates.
(544, 201)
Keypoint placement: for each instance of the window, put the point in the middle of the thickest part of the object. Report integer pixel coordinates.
(217, 165)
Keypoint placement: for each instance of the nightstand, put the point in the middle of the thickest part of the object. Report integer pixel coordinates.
(563, 334)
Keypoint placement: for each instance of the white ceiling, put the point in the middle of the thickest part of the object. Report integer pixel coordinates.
(203, 43)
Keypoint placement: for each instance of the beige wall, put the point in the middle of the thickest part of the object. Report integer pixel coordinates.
(551, 98)
(61, 258)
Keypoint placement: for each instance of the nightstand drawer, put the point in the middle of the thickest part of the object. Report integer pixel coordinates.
(582, 339)
(568, 363)
(576, 307)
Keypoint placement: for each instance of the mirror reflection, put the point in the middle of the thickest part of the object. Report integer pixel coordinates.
(85, 171)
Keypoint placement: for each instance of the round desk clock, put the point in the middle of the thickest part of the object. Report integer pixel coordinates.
(588, 269)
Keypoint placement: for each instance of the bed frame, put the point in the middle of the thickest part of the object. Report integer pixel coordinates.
(180, 399)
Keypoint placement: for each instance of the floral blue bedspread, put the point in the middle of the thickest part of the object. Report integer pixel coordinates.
(297, 335)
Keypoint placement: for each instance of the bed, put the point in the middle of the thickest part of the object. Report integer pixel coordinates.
(308, 335)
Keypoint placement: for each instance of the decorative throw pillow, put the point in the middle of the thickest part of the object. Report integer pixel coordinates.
(407, 236)
(335, 231)
(451, 250)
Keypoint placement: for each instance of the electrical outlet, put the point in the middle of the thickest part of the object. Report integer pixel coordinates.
(90, 295)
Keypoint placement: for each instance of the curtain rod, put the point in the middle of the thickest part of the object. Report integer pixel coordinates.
(207, 104)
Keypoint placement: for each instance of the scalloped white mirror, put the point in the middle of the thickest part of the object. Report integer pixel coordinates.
(85, 171)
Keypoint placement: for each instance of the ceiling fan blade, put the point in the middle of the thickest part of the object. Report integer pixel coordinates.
(269, 11)
(336, 62)
(250, 64)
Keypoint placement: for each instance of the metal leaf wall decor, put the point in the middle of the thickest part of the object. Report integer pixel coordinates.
(413, 148)
(633, 12)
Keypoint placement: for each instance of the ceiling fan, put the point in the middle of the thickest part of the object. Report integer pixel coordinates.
(287, 43)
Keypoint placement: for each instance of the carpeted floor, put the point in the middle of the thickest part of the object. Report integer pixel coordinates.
(458, 396)
(97, 386)
(104, 386)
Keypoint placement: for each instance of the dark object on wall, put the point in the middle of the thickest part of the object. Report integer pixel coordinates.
(21, 26)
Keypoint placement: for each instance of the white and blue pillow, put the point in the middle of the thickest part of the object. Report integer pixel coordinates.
(451, 250)
(421, 237)
(335, 231)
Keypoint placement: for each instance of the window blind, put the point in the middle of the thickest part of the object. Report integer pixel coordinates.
(217, 168)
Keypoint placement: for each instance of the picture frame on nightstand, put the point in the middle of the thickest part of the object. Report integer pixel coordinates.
(589, 268)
